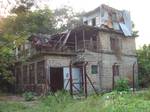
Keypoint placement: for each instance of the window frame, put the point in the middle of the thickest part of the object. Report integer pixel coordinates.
(95, 67)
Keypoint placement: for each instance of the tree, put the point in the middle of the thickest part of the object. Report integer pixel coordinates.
(15, 29)
(144, 65)
(67, 18)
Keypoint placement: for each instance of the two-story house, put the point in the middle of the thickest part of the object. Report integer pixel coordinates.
(85, 59)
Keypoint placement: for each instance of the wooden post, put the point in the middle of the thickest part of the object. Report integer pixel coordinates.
(70, 70)
(85, 79)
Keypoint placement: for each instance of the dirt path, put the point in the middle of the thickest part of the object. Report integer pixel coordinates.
(11, 98)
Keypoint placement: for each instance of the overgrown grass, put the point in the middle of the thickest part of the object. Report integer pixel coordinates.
(62, 102)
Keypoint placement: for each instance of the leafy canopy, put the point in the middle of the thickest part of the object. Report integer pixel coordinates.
(144, 65)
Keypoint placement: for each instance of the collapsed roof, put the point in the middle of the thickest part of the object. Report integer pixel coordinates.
(75, 39)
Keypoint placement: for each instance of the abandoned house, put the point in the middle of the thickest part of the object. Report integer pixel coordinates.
(88, 58)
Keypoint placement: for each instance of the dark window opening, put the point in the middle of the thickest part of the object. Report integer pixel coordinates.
(94, 22)
(94, 69)
(86, 22)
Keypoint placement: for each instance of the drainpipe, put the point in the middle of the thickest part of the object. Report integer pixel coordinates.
(133, 77)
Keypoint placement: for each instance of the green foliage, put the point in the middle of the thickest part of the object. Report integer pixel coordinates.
(109, 102)
(143, 55)
(122, 85)
(6, 77)
(66, 18)
(15, 29)
(28, 96)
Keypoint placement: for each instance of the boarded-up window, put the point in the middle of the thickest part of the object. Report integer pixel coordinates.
(31, 74)
(94, 69)
(25, 77)
(41, 72)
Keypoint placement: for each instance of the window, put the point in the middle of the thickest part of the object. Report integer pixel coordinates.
(114, 17)
(115, 43)
(97, 21)
(94, 22)
(86, 22)
(102, 13)
(112, 43)
(116, 70)
(94, 69)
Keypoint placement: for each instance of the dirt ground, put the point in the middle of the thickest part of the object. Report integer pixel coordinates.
(10, 97)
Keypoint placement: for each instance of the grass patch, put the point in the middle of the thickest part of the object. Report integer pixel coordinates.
(62, 102)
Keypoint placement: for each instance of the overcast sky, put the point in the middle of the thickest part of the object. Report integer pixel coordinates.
(139, 10)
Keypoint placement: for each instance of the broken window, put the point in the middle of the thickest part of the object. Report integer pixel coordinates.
(94, 22)
(94, 69)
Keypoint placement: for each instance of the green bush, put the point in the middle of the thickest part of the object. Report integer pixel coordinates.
(28, 96)
(122, 85)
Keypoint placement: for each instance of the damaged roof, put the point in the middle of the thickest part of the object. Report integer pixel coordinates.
(115, 19)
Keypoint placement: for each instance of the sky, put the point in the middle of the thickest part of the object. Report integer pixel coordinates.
(139, 10)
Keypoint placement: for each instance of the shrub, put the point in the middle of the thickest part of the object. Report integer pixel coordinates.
(28, 96)
(122, 85)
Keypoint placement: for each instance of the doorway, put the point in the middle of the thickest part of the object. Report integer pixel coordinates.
(56, 78)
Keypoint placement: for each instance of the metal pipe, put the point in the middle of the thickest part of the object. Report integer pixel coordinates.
(133, 77)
